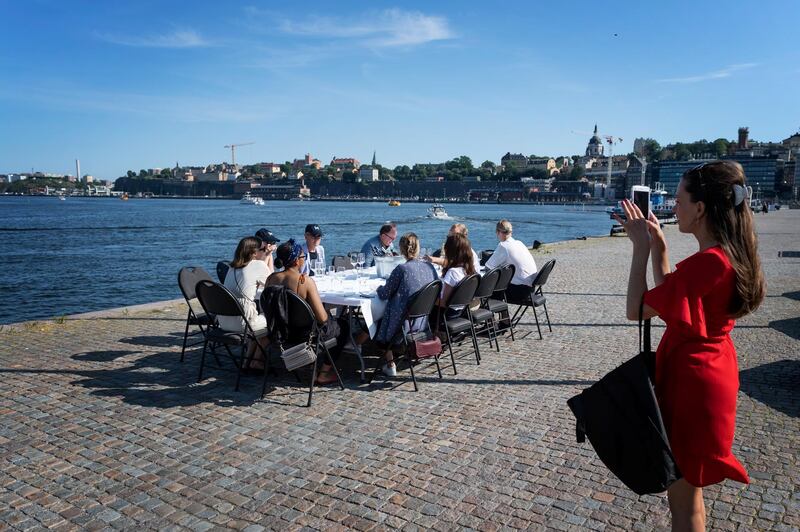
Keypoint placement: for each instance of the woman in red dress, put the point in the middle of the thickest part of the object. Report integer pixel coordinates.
(697, 377)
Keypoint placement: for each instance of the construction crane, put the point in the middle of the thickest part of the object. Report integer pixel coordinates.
(610, 140)
(233, 150)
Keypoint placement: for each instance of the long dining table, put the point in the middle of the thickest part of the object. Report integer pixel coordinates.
(357, 292)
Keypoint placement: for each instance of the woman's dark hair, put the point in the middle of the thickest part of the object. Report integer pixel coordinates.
(245, 251)
(287, 254)
(458, 253)
(732, 226)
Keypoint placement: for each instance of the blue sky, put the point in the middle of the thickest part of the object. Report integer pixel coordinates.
(131, 85)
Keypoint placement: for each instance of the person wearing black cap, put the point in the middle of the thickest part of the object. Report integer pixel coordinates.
(270, 244)
(312, 248)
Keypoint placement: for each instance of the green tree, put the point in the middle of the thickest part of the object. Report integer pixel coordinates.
(488, 165)
(721, 147)
(142, 173)
(682, 152)
(131, 173)
(652, 150)
(166, 173)
(577, 172)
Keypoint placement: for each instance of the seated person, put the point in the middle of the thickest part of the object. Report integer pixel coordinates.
(292, 257)
(459, 264)
(455, 229)
(247, 273)
(271, 241)
(312, 248)
(405, 280)
(512, 251)
(379, 245)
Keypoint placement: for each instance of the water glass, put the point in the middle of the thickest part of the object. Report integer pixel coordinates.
(361, 259)
(331, 270)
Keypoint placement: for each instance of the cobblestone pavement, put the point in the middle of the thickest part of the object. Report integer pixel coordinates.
(103, 427)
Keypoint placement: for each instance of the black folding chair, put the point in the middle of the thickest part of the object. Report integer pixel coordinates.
(483, 318)
(188, 278)
(419, 307)
(304, 331)
(222, 270)
(498, 303)
(461, 295)
(219, 301)
(537, 298)
(341, 261)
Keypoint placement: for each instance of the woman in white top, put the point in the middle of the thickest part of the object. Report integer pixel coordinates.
(247, 273)
(512, 251)
(458, 265)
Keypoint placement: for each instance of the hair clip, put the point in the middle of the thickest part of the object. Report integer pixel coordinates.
(739, 194)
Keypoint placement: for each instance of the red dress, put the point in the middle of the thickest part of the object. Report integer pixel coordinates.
(697, 377)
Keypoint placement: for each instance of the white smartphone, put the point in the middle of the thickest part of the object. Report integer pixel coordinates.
(640, 196)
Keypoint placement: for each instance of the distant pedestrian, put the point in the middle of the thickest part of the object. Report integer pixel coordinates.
(380, 245)
(313, 248)
(696, 372)
(764, 207)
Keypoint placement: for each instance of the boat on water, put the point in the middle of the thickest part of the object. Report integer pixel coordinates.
(437, 212)
(124, 197)
(247, 199)
(394, 203)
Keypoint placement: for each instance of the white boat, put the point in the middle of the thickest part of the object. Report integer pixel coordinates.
(437, 212)
(247, 199)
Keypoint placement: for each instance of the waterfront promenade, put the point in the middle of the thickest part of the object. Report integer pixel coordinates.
(103, 427)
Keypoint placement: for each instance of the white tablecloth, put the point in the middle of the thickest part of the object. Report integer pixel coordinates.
(342, 289)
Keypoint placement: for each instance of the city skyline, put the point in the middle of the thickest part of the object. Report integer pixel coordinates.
(130, 86)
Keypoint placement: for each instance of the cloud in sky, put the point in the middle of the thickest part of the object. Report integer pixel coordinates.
(179, 38)
(717, 74)
(387, 28)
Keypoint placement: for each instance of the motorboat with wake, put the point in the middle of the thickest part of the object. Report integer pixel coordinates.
(437, 212)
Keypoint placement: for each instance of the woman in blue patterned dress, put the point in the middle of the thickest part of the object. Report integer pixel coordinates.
(405, 281)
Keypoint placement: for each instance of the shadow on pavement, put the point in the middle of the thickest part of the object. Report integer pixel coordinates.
(790, 327)
(774, 384)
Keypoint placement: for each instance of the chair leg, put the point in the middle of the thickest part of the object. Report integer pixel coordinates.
(450, 348)
(266, 353)
(413, 377)
(202, 361)
(335, 369)
(438, 367)
(239, 366)
(185, 335)
(313, 380)
(494, 332)
(475, 345)
(547, 316)
(518, 314)
(535, 315)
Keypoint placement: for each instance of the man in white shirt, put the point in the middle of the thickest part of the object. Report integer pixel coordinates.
(313, 248)
(512, 251)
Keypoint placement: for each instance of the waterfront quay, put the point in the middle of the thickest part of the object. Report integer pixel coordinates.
(104, 428)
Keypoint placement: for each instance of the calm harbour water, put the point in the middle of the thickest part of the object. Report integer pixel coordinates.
(84, 254)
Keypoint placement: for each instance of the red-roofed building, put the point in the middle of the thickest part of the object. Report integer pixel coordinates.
(345, 164)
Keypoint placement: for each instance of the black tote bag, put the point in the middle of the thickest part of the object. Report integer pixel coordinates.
(620, 415)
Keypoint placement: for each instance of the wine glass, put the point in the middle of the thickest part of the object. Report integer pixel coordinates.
(331, 271)
(361, 259)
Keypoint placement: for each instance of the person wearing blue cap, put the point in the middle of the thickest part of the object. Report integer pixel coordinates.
(312, 248)
(270, 244)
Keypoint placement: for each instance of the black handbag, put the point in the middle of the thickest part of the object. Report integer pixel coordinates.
(621, 417)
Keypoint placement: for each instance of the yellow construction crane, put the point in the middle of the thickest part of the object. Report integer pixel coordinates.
(233, 150)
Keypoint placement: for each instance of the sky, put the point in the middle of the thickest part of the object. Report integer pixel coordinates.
(141, 84)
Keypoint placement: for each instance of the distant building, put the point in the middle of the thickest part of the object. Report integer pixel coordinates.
(595, 146)
(742, 143)
(368, 173)
(514, 160)
(88, 178)
(345, 164)
(306, 162)
(671, 172)
(471, 179)
(546, 164)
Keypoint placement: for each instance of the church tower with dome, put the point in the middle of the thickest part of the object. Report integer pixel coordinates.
(595, 146)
